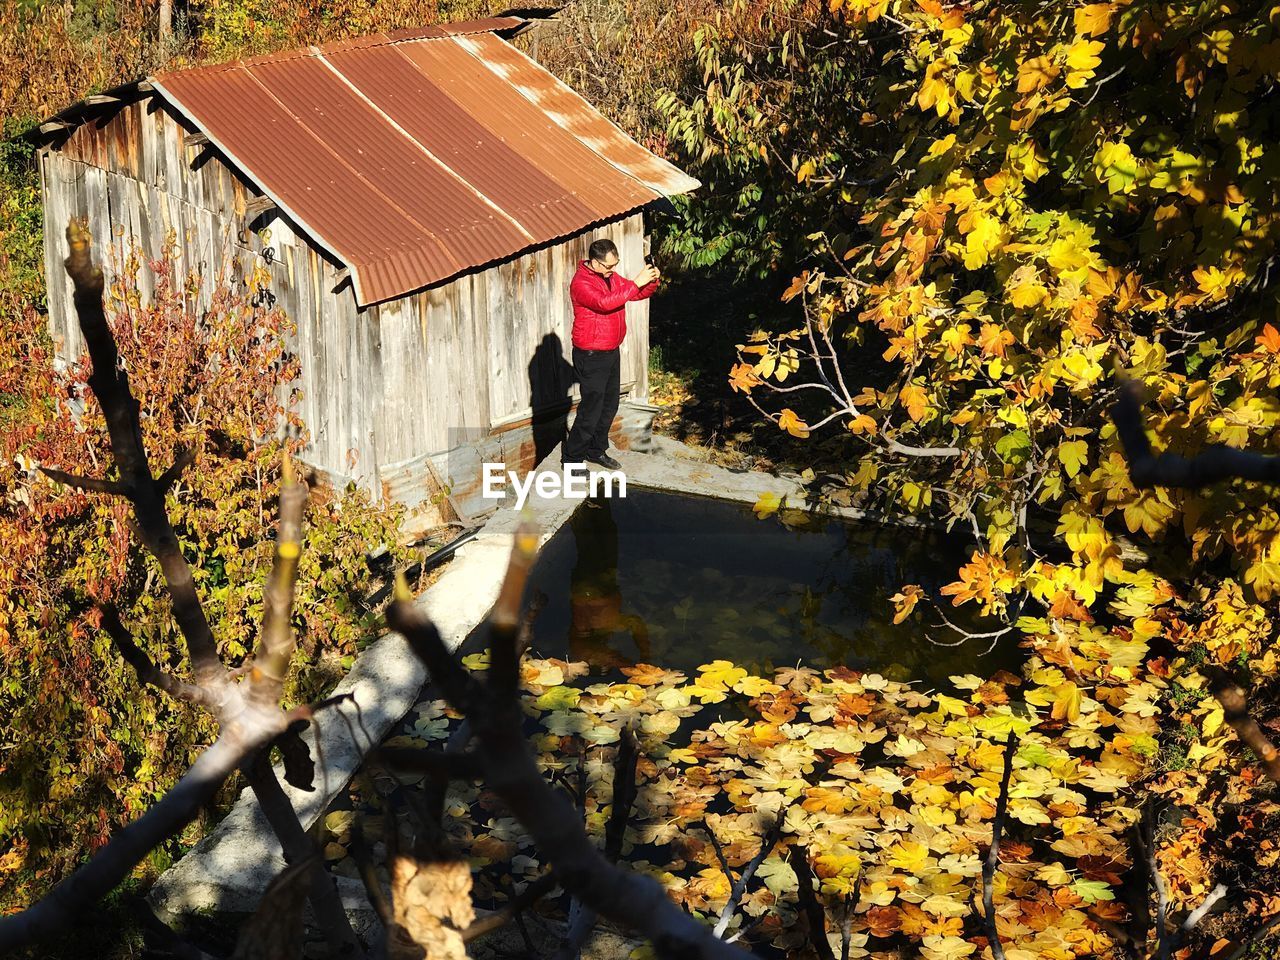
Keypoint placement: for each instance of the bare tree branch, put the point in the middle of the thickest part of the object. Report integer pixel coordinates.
(110, 384)
(1200, 912)
(183, 460)
(330, 915)
(271, 663)
(143, 665)
(86, 483)
(363, 857)
(583, 918)
(512, 773)
(809, 905)
(1157, 879)
(249, 724)
(1211, 465)
(530, 895)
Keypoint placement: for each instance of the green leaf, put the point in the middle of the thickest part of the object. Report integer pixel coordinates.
(1014, 447)
(1091, 891)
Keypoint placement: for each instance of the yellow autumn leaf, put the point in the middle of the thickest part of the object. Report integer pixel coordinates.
(719, 674)
(984, 238)
(916, 401)
(755, 686)
(1116, 166)
(1026, 295)
(1094, 19)
(862, 424)
(1082, 58)
(907, 855)
(940, 947)
(788, 421)
(1066, 702)
(904, 601)
(1212, 281)
(767, 504)
(1073, 454)
(1036, 73)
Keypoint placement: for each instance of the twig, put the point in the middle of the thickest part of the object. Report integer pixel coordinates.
(1162, 894)
(846, 927)
(582, 917)
(110, 384)
(1235, 710)
(330, 915)
(271, 662)
(767, 844)
(363, 857)
(248, 724)
(526, 898)
(624, 793)
(992, 862)
(86, 483)
(144, 666)
(1200, 912)
(181, 461)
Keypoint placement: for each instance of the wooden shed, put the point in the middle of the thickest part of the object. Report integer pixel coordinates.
(420, 201)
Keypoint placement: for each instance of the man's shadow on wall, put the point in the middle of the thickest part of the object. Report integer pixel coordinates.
(551, 379)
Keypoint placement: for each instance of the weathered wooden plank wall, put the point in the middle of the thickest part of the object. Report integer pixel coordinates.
(380, 387)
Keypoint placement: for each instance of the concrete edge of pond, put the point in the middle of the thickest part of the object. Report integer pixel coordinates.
(230, 868)
(675, 467)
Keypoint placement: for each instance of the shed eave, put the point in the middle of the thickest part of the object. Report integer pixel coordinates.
(363, 303)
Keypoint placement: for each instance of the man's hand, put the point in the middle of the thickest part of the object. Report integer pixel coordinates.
(646, 276)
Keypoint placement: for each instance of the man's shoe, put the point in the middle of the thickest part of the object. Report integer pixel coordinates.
(604, 460)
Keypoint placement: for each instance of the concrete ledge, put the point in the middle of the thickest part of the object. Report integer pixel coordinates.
(675, 467)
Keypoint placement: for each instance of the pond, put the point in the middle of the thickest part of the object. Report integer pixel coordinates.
(680, 581)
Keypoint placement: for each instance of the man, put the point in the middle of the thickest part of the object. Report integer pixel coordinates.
(600, 295)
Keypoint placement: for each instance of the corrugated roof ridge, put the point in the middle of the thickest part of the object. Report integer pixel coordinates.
(567, 89)
(435, 31)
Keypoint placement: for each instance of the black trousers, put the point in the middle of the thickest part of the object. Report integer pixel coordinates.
(599, 375)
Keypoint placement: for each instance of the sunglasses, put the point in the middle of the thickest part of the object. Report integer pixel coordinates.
(608, 266)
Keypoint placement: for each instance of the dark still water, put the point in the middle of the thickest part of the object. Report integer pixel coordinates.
(680, 581)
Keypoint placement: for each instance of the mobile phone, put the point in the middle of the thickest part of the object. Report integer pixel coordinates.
(648, 258)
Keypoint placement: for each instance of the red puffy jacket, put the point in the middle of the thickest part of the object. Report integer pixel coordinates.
(600, 310)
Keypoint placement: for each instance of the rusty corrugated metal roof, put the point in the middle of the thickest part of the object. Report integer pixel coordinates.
(415, 156)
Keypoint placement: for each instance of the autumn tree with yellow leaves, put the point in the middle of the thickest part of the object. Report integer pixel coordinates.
(995, 213)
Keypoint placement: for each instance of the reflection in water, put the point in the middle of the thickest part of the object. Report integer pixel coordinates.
(595, 601)
(705, 580)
